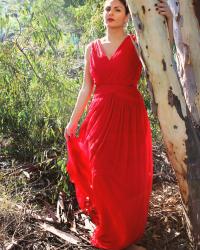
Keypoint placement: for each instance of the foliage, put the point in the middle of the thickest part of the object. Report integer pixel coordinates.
(41, 70)
(156, 135)
(36, 96)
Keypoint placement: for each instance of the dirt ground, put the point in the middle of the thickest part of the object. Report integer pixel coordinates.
(28, 210)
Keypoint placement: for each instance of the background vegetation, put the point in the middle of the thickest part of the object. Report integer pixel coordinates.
(41, 66)
(42, 46)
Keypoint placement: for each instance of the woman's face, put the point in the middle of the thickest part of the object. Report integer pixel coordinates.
(114, 14)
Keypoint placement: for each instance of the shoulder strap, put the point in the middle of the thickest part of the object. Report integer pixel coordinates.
(132, 38)
(135, 44)
(137, 49)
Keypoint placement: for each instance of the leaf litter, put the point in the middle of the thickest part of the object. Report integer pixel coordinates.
(35, 214)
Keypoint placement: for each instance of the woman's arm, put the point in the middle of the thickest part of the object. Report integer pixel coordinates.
(83, 96)
(163, 9)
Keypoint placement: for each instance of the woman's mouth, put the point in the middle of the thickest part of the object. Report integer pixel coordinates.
(110, 20)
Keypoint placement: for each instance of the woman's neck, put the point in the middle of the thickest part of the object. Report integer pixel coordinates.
(115, 34)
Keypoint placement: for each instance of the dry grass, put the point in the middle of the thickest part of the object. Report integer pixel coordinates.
(19, 228)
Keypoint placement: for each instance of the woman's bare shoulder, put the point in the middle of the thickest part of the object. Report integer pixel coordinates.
(102, 39)
(88, 47)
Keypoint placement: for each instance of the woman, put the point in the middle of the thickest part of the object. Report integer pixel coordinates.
(110, 162)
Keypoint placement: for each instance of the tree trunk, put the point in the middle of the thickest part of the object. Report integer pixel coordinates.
(175, 93)
(187, 40)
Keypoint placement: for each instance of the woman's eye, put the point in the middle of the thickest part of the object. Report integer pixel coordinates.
(107, 9)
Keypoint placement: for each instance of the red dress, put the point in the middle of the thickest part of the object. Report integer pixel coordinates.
(110, 162)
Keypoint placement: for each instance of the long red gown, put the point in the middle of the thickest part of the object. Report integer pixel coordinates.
(110, 162)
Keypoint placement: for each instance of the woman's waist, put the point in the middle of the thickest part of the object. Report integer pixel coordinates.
(128, 91)
(116, 88)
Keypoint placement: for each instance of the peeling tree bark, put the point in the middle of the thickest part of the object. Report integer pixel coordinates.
(187, 40)
(175, 94)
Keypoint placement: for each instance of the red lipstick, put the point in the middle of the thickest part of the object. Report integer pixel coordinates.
(110, 19)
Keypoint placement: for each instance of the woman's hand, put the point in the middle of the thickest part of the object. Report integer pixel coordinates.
(163, 9)
(83, 97)
(70, 130)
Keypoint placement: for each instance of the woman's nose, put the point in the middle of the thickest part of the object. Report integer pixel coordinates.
(110, 12)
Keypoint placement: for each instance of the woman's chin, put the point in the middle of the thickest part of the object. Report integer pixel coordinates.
(113, 26)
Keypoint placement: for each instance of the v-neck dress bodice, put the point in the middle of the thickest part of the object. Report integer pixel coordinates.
(124, 66)
(110, 161)
(109, 58)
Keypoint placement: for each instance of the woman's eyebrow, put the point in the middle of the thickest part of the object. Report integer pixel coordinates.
(115, 7)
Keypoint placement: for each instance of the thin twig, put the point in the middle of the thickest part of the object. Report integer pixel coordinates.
(65, 236)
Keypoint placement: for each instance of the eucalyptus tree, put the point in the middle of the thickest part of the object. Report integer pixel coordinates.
(175, 91)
